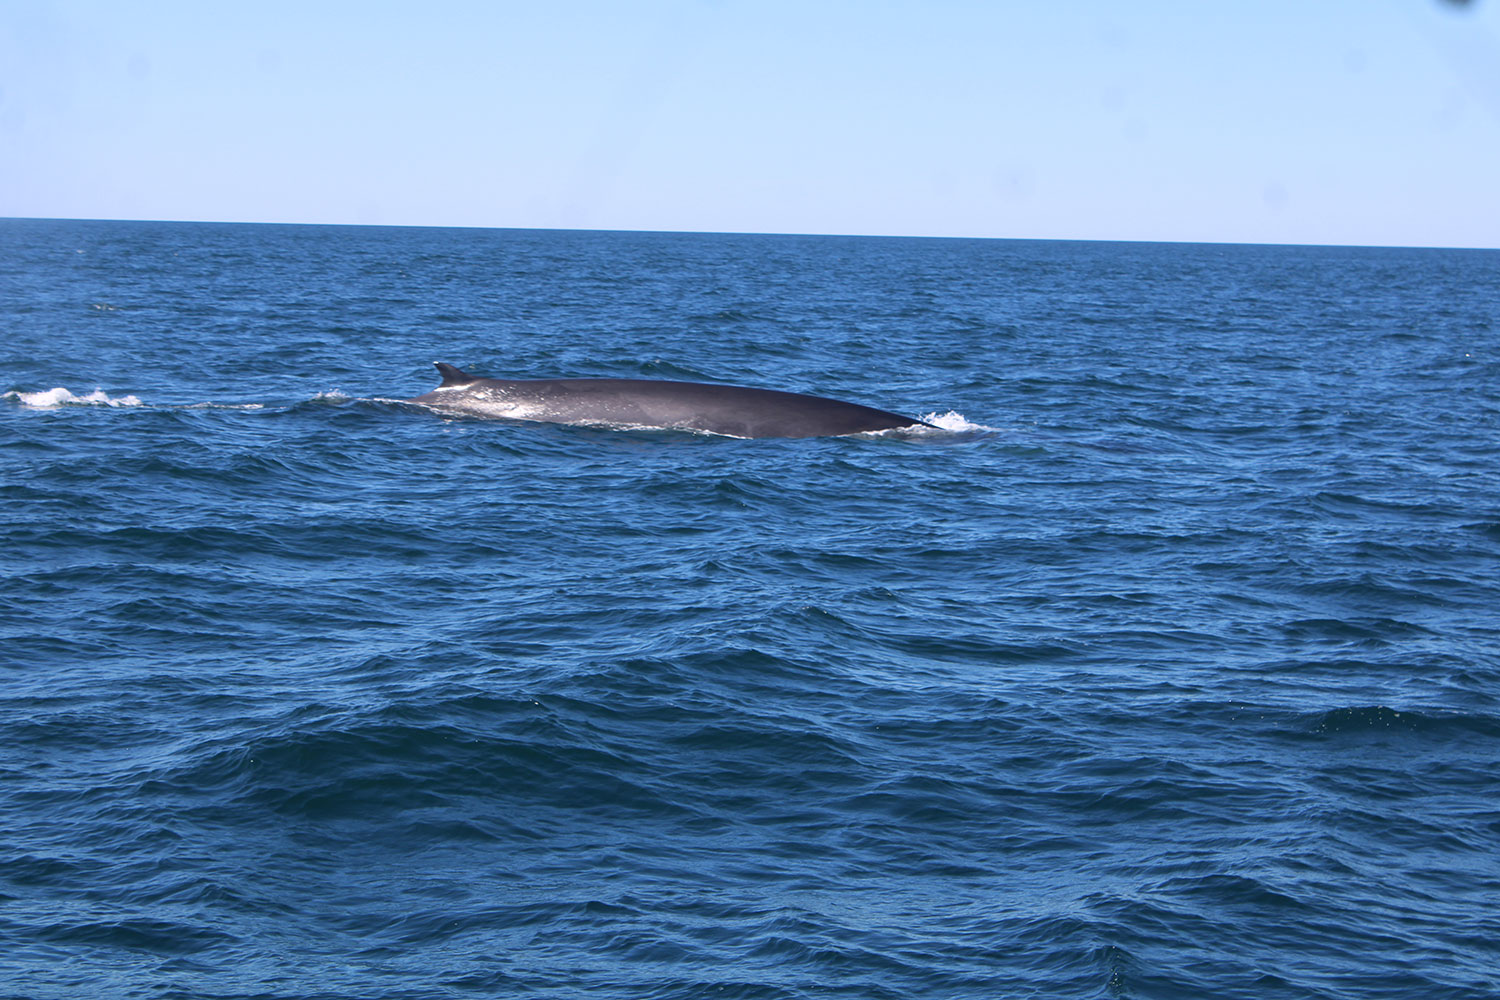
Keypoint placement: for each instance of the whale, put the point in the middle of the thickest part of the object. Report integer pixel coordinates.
(656, 404)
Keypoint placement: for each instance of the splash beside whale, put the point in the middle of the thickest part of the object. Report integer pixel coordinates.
(731, 410)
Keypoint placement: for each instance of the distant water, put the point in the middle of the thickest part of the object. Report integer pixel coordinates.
(1171, 670)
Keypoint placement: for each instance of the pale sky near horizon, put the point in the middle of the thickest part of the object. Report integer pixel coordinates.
(1266, 121)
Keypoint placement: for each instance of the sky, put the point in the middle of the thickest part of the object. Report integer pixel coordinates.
(1260, 121)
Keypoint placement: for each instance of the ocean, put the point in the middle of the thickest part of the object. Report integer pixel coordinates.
(1167, 667)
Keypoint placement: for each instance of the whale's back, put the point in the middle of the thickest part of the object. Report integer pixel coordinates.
(732, 410)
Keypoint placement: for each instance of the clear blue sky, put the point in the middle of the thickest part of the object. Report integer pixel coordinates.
(1303, 121)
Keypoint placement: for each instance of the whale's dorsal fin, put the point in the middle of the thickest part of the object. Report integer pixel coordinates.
(452, 376)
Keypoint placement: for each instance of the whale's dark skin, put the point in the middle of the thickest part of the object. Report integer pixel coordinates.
(736, 411)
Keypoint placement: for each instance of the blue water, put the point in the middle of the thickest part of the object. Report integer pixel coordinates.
(1171, 669)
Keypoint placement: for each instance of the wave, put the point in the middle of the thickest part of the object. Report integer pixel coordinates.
(55, 398)
(1384, 720)
(956, 422)
(945, 427)
(59, 396)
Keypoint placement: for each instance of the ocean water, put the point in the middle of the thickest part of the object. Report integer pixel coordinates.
(1170, 668)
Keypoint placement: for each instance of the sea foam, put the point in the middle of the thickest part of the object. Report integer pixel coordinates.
(59, 396)
(953, 421)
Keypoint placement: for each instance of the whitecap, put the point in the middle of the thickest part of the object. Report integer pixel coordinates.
(59, 396)
(954, 421)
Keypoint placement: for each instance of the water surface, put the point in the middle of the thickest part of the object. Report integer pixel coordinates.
(1171, 672)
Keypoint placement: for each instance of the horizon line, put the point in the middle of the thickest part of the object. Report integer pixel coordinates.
(736, 232)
